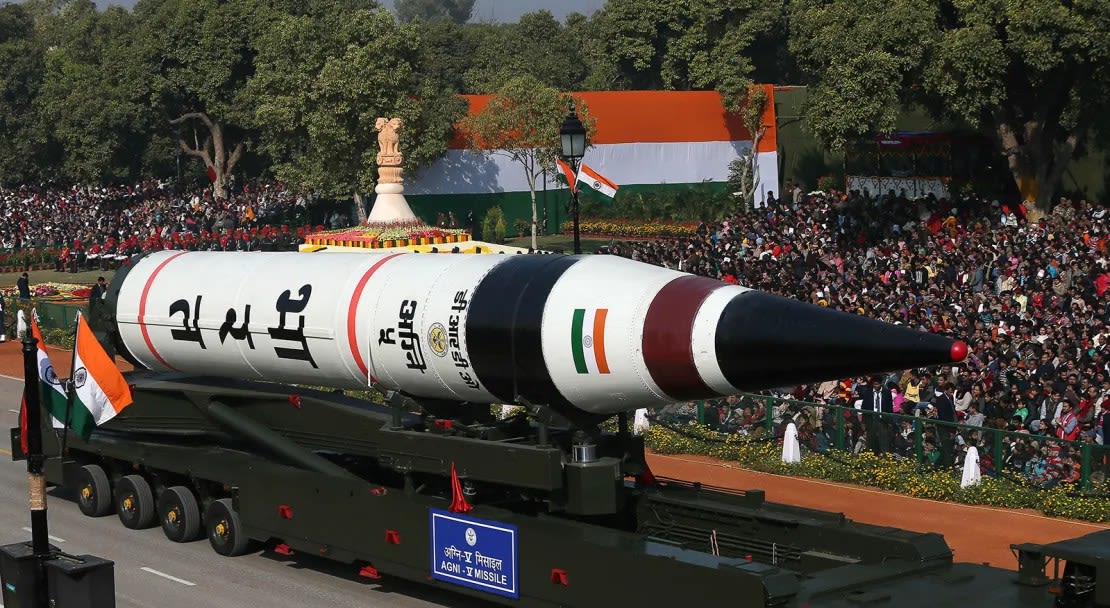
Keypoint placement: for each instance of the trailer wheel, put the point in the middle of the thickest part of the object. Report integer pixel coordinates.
(135, 502)
(180, 515)
(94, 493)
(225, 531)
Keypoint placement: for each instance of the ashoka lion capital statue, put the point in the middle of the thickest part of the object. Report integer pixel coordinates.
(390, 205)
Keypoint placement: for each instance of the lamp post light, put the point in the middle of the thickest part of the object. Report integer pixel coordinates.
(572, 136)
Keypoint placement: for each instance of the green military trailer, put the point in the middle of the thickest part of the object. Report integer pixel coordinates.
(518, 512)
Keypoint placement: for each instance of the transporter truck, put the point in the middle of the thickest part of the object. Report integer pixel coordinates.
(242, 431)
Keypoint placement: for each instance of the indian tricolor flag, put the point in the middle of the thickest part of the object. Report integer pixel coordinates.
(99, 389)
(593, 179)
(587, 337)
(567, 172)
(51, 396)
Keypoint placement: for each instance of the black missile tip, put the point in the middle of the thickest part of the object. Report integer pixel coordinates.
(958, 351)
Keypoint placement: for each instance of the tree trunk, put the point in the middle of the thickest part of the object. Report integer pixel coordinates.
(360, 208)
(1036, 160)
(532, 191)
(213, 152)
(752, 183)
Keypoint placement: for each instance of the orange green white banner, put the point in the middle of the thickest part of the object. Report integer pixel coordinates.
(587, 336)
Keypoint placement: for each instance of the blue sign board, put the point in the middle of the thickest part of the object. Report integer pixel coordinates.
(475, 553)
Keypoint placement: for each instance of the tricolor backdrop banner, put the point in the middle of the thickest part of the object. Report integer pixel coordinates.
(643, 138)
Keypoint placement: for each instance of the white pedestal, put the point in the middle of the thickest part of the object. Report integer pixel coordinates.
(390, 205)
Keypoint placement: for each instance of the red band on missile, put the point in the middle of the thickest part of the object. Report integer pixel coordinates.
(352, 312)
(142, 308)
(667, 331)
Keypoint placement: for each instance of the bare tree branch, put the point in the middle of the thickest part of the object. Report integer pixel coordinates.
(201, 116)
(235, 154)
(201, 152)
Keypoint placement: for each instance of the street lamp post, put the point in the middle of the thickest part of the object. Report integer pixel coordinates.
(572, 136)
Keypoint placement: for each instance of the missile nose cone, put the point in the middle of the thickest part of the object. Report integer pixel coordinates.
(959, 351)
(766, 341)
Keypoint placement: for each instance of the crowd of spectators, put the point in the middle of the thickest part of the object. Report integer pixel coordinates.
(93, 226)
(1031, 298)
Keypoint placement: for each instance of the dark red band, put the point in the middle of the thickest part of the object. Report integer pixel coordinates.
(668, 330)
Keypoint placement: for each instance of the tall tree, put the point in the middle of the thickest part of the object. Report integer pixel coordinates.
(323, 78)
(521, 122)
(1028, 71)
(199, 59)
(677, 44)
(89, 58)
(457, 11)
(21, 54)
(537, 45)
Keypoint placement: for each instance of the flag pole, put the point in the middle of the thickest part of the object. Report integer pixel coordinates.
(40, 537)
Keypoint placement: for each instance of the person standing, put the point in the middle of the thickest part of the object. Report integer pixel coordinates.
(946, 412)
(24, 285)
(879, 400)
(96, 301)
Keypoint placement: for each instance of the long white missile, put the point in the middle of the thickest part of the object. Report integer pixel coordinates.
(602, 334)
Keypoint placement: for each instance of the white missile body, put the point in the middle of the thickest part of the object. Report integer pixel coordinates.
(600, 333)
(354, 310)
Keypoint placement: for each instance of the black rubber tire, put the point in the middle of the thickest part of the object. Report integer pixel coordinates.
(225, 531)
(135, 503)
(94, 492)
(179, 514)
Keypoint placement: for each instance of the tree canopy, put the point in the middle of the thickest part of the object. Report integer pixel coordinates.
(23, 58)
(321, 81)
(290, 88)
(1030, 72)
(455, 11)
(677, 44)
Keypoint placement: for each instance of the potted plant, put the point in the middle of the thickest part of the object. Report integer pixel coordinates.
(523, 227)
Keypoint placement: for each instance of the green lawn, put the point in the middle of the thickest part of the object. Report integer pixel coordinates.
(560, 241)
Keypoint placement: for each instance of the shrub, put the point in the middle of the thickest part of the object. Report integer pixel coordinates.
(58, 337)
(828, 183)
(493, 226)
(699, 202)
(633, 228)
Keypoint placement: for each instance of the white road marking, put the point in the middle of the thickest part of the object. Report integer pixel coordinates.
(14, 412)
(166, 576)
(53, 538)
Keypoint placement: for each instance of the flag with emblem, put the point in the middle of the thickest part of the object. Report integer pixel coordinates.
(588, 340)
(596, 181)
(99, 389)
(51, 396)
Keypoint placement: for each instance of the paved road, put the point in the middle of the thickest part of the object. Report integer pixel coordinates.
(153, 572)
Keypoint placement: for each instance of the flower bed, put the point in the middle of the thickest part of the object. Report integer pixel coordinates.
(50, 292)
(402, 234)
(633, 228)
(901, 475)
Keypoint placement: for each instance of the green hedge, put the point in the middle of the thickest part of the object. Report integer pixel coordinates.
(885, 471)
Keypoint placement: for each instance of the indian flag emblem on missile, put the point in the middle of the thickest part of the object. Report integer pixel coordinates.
(587, 340)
